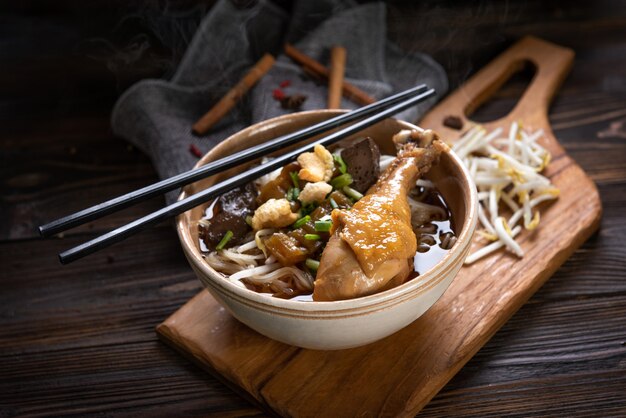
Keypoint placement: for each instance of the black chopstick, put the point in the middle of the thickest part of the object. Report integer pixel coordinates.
(240, 179)
(126, 200)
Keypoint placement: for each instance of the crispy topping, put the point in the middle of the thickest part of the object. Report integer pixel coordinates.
(275, 213)
(316, 166)
(315, 192)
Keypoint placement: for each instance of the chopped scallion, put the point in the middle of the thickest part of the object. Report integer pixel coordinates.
(249, 220)
(343, 168)
(295, 179)
(293, 193)
(350, 192)
(312, 264)
(333, 204)
(312, 237)
(341, 181)
(307, 208)
(323, 226)
(227, 236)
(300, 222)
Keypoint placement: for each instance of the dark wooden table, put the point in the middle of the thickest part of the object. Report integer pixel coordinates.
(80, 339)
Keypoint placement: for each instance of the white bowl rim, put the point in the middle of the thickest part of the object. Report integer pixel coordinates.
(269, 303)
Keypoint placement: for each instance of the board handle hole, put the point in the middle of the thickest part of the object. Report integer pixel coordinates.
(501, 98)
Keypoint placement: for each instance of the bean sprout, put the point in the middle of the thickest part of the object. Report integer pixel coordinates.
(506, 173)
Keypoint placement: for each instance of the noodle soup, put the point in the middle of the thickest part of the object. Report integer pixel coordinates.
(272, 236)
(354, 320)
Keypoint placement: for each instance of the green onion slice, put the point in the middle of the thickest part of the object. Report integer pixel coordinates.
(295, 179)
(341, 181)
(350, 192)
(323, 226)
(312, 237)
(292, 194)
(342, 164)
(227, 236)
(333, 204)
(300, 222)
(307, 208)
(312, 264)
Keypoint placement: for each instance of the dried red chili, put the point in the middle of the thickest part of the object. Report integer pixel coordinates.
(278, 94)
(195, 150)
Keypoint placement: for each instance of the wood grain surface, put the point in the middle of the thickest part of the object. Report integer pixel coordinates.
(79, 339)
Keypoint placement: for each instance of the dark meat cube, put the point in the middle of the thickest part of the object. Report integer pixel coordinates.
(219, 225)
(239, 201)
(363, 161)
(230, 215)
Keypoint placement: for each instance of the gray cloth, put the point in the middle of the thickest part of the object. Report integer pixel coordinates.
(157, 115)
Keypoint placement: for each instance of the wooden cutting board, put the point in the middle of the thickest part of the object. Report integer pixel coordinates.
(398, 375)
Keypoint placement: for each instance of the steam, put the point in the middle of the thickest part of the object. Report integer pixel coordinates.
(149, 39)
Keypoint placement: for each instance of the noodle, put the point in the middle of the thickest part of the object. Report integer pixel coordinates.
(255, 272)
(247, 262)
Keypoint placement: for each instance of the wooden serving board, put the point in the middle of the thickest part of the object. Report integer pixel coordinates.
(398, 375)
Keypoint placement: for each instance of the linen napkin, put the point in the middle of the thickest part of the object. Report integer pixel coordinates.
(157, 115)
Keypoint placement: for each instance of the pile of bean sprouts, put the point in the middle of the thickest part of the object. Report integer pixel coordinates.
(506, 171)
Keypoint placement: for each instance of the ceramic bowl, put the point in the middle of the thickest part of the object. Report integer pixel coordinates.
(339, 324)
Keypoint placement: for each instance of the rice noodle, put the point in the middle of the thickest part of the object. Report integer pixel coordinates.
(304, 279)
(247, 246)
(218, 263)
(385, 161)
(260, 234)
(255, 271)
(240, 258)
(247, 262)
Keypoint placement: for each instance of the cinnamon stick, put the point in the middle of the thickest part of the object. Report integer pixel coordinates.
(349, 91)
(335, 78)
(229, 100)
(315, 77)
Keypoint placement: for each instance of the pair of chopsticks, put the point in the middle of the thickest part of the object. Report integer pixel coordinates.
(374, 113)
